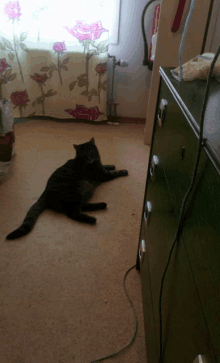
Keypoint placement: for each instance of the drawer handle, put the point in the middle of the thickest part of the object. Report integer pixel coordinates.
(201, 359)
(147, 212)
(142, 251)
(183, 153)
(162, 112)
(154, 163)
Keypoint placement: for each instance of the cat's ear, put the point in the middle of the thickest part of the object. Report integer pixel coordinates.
(75, 146)
(92, 141)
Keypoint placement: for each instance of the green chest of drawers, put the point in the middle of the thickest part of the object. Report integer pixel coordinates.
(191, 293)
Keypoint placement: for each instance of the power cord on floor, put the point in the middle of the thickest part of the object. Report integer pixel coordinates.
(136, 324)
(182, 213)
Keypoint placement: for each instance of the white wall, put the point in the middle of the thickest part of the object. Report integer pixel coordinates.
(168, 45)
(132, 84)
(213, 38)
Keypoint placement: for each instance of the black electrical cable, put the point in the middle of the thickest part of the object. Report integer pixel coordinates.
(182, 215)
(207, 25)
(135, 329)
(146, 61)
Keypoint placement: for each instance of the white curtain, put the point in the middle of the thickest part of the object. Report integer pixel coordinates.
(53, 57)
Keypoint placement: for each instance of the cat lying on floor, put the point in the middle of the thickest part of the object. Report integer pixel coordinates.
(70, 187)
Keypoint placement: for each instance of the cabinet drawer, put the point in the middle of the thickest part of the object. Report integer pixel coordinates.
(157, 190)
(202, 235)
(185, 333)
(149, 322)
(177, 146)
(181, 309)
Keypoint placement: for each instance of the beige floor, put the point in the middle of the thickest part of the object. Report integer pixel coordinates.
(61, 294)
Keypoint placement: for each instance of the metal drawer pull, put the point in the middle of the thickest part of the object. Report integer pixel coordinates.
(142, 251)
(154, 163)
(147, 212)
(183, 152)
(201, 359)
(162, 112)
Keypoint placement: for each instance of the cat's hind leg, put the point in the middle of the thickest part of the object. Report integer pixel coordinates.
(93, 206)
(81, 217)
(112, 174)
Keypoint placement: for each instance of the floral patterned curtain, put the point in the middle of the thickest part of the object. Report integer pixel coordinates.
(53, 58)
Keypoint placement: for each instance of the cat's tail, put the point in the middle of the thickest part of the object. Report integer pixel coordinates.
(30, 219)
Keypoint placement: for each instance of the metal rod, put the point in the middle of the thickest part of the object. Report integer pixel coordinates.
(113, 79)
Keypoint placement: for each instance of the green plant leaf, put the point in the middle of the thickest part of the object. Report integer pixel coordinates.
(2, 46)
(102, 45)
(31, 114)
(7, 74)
(11, 56)
(16, 40)
(24, 47)
(64, 67)
(105, 49)
(12, 77)
(82, 83)
(90, 97)
(45, 69)
(2, 81)
(72, 85)
(54, 93)
(65, 61)
(50, 91)
(23, 36)
(94, 92)
(34, 103)
(53, 67)
(40, 102)
(104, 85)
(82, 76)
(93, 52)
(7, 43)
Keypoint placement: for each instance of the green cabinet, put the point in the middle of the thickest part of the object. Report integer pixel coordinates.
(202, 235)
(191, 292)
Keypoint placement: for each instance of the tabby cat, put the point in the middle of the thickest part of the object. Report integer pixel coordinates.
(70, 187)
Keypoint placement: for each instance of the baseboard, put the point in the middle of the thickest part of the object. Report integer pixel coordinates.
(122, 120)
(132, 120)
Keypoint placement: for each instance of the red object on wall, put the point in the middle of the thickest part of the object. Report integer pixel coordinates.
(178, 16)
(155, 24)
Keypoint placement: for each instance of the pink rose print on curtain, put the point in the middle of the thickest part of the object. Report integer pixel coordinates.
(41, 79)
(101, 69)
(86, 32)
(87, 35)
(13, 11)
(82, 112)
(20, 99)
(5, 74)
(59, 48)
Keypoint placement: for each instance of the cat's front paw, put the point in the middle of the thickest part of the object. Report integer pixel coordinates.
(92, 220)
(103, 205)
(123, 172)
(109, 167)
